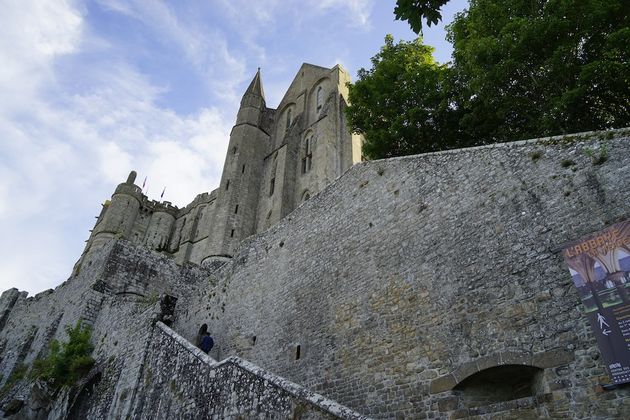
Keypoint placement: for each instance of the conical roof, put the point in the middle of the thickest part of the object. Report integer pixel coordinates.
(255, 87)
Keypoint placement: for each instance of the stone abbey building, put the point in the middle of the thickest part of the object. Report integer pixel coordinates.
(428, 286)
(276, 160)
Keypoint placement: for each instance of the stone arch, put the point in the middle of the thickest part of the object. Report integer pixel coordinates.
(499, 382)
(543, 360)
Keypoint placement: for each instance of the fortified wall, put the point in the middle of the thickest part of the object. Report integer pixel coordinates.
(433, 285)
(428, 286)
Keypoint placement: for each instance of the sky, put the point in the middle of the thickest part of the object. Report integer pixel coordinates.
(92, 89)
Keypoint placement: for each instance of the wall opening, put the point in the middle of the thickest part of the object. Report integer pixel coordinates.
(253, 340)
(232, 233)
(243, 169)
(500, 383)
(227, 185)
(236, 209)
(297, 352)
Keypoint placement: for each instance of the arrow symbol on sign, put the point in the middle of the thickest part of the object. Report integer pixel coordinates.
(602, 321)
(606, 332)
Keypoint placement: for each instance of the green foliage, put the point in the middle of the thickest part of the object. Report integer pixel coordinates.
(413, 11)
(16, 375)
(536, 68)
(151, 299)
(521, 69)
(401, 105)
(67, 361)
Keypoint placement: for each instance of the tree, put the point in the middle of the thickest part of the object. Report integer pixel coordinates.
(401, 105)
(521, 69)
(414, 10)
(530, 68)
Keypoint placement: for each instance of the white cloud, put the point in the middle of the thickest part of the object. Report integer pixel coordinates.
(360, 10)
(62, 154)
(205, 48)
(32, 34)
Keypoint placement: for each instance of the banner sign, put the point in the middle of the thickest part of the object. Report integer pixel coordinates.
(600, 268)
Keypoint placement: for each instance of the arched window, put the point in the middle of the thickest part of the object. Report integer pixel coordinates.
(320, 93)
(308, 155)
(288, 124)
(306, 195)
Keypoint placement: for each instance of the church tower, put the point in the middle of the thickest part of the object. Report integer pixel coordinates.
(237, 199)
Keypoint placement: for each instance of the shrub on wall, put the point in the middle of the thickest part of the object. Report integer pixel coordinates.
(67, 361)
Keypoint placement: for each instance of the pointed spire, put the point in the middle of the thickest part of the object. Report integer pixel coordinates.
(255, 87)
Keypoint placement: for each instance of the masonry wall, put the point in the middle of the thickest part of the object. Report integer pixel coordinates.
(408, 275)
(119, 292)
(180, 381)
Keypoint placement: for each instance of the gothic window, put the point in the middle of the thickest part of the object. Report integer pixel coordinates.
(320, 93)
(307, 158)
(288, 123)
(272, 186)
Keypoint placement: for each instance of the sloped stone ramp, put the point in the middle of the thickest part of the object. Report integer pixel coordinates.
(180, 381)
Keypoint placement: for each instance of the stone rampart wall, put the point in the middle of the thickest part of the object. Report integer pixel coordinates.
(180, 381)
(406, 270)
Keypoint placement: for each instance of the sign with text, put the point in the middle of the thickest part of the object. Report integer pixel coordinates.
(600, 269)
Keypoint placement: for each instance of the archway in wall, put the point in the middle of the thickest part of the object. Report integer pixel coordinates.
(498, 384)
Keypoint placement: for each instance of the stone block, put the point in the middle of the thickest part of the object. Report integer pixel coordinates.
(441, 384)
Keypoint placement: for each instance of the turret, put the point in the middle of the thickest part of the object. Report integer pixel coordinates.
(160, 226)
(252, 103)
(123, 209)
(237, 202)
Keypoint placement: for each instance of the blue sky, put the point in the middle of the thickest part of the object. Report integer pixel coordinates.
(90, 90)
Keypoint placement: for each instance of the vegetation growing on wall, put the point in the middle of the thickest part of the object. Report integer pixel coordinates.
(521, 69)
(67, 361)
(17, 375)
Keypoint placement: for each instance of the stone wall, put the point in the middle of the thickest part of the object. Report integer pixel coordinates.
(180, 381)
(407, 270)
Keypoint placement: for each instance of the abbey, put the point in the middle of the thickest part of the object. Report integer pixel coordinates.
(427, 286)
(276, 160)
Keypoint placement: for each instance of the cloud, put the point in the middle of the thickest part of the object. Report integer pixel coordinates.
(32, 34)
(360, 10)
(62, 153)
(204, 47)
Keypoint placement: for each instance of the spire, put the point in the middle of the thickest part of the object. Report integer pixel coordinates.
(255, 87)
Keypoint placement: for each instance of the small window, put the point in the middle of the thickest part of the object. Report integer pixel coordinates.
(272, 186)
(320, 93)
(307, 160)
(243, 169)
(236, 209)
(253, 340)
(232, 233)
(227, 185)
(288, 123)
(234, 149)
(297, 352)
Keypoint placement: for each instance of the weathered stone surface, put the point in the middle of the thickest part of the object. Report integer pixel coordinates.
(383, 292)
